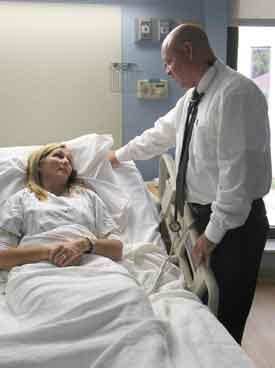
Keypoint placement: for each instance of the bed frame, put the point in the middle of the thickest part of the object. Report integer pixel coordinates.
(199, 280)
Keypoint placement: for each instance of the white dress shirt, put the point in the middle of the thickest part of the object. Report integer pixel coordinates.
(229, 154)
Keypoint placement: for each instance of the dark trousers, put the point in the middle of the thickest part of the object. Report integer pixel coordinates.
(235, 263)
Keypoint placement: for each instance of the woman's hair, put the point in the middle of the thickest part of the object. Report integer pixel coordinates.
(33, 175)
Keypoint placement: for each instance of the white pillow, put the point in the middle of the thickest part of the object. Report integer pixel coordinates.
(89, 152)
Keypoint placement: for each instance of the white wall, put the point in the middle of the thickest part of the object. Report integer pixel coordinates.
(54, 71)
(251, 9)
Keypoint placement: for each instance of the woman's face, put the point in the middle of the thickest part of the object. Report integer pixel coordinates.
(57, 165)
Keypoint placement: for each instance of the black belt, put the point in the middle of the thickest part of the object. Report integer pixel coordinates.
(205, 209)
(200, 209)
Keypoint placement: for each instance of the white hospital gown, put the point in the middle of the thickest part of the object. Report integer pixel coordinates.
(24, 215)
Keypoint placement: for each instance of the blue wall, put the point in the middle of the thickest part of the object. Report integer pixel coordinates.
(216, 19)
(139, 115)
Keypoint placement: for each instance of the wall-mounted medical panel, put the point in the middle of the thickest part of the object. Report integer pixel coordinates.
(144, 29)
(152, 29)
(152, 89)
(164, 26)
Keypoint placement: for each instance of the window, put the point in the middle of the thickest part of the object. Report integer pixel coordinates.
(256, 60)
(260, 68)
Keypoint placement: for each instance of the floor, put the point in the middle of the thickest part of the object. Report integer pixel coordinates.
(259, 335)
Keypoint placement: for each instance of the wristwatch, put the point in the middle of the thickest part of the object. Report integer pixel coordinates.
(92, 245)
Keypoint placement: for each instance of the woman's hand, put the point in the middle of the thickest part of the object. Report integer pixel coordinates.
(113, 159)
(68, 253)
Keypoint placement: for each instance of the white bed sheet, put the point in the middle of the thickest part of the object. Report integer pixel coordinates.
(142, 214)
(175, 330)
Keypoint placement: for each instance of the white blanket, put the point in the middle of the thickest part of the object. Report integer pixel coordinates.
(93, 315)
(97, 315)
(196, 338)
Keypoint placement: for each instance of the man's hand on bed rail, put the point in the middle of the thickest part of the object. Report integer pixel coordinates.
(113, 160)
(202, 251)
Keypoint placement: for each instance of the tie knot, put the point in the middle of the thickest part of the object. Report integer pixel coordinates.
(196, 96)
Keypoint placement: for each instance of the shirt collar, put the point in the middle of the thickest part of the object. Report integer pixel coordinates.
(207, 78)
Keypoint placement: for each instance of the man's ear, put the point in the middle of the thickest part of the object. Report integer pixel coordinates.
(185, 50)
(187, 47)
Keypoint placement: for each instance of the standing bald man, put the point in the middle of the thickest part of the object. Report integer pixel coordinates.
(228, 166)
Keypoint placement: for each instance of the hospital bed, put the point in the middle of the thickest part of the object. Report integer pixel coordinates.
(180, 331)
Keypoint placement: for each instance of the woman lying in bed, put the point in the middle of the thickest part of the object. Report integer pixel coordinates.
(93, 315)
(54, 197)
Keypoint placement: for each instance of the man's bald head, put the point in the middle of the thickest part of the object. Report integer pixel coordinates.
(186, 32)
(187, 54)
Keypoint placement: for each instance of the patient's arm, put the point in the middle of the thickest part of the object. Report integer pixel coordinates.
(17, 256)
(111, 248)
(12, 256)
(61, 254)
(69, 253)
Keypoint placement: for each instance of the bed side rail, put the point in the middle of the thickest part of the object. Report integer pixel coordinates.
(200, 280)
(167, 183)
(203, 277)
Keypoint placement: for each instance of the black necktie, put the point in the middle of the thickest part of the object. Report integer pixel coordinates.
(190, 120)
